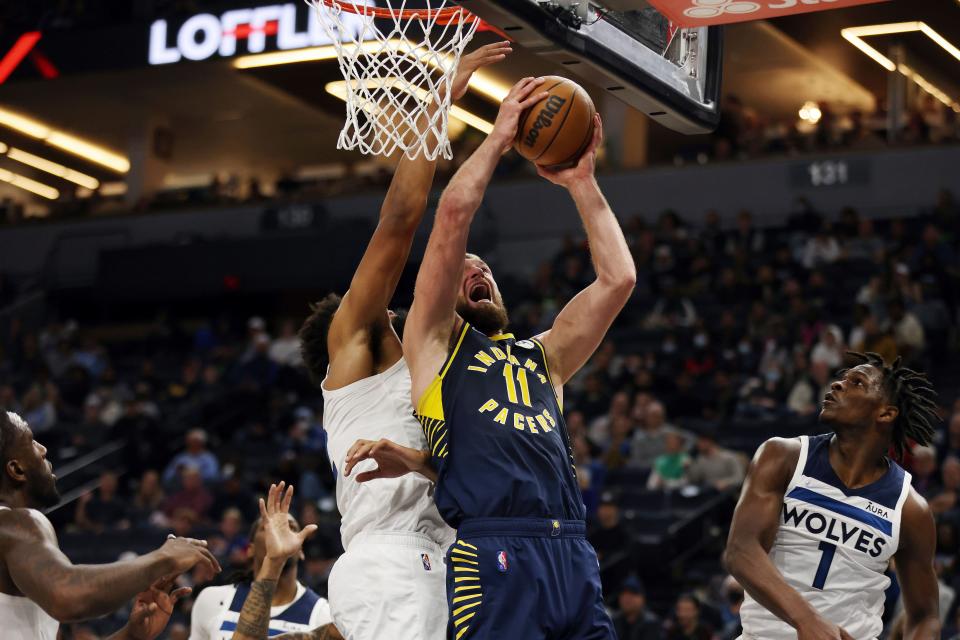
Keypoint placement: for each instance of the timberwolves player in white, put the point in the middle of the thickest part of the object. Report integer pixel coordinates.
(821, 517)
(40, 587)
(390, 582)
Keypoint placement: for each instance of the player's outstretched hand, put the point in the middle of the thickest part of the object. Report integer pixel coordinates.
(482, 57)
(183, 554)
(821, 629)
(393, 460)
(152, 609)
(280, 540)
(584, 168)
(522, 96)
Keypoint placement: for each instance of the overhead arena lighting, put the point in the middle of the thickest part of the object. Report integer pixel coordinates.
(69, 143)
(479, 81)
(27, 184)
(855, 35)
(339, 90)
(54, 168)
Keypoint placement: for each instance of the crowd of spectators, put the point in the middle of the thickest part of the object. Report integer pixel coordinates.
(731, 331)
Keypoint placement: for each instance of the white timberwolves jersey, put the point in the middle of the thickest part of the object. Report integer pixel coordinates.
(373, 408)
(833, 546)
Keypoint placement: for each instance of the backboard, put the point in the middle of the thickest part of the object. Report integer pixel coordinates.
(625, 46)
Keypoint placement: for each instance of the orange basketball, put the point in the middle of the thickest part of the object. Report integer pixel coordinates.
(556, 131)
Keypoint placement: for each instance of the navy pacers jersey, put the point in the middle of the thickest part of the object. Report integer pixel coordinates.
(496, 433)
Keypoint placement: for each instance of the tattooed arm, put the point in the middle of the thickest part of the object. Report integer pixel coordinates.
(255, 615)
(281, 543)
(69, 592)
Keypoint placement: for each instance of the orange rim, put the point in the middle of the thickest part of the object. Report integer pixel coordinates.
(442, 16)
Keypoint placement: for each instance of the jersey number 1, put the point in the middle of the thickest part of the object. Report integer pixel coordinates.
(512, 386)
(824, 567)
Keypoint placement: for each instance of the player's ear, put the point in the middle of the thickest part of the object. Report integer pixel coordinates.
(15, 471)
(888, 414)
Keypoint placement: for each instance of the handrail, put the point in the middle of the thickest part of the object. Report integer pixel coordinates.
(89, 458)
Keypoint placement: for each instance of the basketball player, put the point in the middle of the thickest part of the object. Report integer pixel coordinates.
(389, 583)
(288, 606)
(821, 517)
(491, 408)
(40, 587)
(281, 541)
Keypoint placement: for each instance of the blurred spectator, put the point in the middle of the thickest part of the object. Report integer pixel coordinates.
(148, 500)
(946, 500)
(599, 429)
(192, 497)
(821, 249)
(285, 349)
(686, 624)
(634, 621)
(670, 467)
(230, 542)
(232, 494)
(650, 440)
(104, 510)
(732, 592)
(907, 331)
(829, 349)
(715, 467)
(609, 536)
(196, 456)
(38, 408)
(924, 470)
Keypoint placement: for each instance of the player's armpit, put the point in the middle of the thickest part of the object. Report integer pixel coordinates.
(914, 565)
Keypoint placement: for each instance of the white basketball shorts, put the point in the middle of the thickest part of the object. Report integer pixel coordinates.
(390, 585)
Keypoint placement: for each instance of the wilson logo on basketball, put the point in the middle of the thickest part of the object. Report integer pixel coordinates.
(544, 118)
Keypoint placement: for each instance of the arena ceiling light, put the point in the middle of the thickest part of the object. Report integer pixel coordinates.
(54, 168)
(339, 90)
(27, 184)
(479, 82)
(69, 143)
(855, 35)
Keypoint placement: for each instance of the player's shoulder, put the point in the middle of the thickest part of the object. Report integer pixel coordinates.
(779, 451)
(320, 614)
(216, 596)
(24, 524)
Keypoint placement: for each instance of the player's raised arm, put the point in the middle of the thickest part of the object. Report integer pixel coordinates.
(918, 580)
(70, 592)
(584, 321)
(752, 532)
(375, 279)
(432, 316)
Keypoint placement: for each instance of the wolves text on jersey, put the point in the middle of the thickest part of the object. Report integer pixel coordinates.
(834, 529)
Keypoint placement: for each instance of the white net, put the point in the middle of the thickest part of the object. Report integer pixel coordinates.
(398, 66)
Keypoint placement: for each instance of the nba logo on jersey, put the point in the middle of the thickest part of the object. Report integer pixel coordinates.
(426, 561)
(502, 563)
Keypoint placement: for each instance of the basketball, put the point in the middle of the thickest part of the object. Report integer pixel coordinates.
(557, 130)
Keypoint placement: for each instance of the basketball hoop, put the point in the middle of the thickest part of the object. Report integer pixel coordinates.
(398, 66)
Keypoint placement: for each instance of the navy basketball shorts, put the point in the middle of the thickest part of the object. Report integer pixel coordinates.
(524, 579)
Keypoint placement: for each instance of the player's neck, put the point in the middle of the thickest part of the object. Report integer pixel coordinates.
(286, 587)
(857, 460)
(14, 499)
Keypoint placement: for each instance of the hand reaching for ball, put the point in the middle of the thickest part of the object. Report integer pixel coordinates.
(522, 96)
(585, 167)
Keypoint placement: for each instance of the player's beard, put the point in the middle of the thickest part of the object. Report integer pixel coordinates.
(42, 488)
(488, 318)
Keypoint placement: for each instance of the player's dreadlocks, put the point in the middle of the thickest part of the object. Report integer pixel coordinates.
(913, 395)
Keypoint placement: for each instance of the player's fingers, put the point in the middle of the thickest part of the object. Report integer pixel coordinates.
(278, 496)
(180, 593)
(367, 476)
(287, 499)
(358, 456)
(164, 584)
(263, 509)
(359, 444)
(196, 542)
(524, 95)
(518, 88)
(597, 131)
(306, 532)
(210, 560)
(534, 99)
